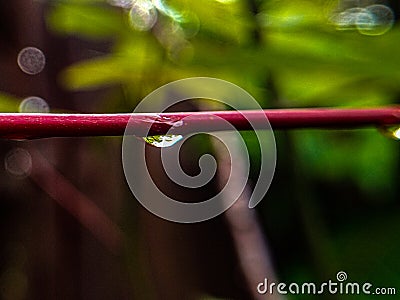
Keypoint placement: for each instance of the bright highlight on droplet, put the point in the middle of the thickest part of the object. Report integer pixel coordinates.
(142, 15)
(34, 105)
(396, 133)
(31, 60)
(18, 163)
(391, 131)
(163, 141)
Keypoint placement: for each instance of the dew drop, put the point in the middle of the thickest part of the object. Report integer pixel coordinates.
(392, 132)
(163, 141)
(31, 60)
(18, 163)
(142, 15)
(34, 105)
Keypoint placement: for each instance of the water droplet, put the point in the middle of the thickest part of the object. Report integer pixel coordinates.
(18, 162)
(142, 15)
(380, 21)
(31, 60)
(392, 132)
(162, 141)
(34, 105)
(127, 4)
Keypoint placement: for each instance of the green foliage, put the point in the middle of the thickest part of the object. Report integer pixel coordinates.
(326, 155)
(86, 19)
(312, 63)
(8, 103)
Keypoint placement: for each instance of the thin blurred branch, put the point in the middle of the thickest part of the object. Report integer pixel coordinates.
(75, 202)
(248, 238)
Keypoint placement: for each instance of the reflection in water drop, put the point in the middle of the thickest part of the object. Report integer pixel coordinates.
(121, 3)
(31, 60)
(34, 105)
(162, 141)
(142, 15)
(18, 162)
(391, 131)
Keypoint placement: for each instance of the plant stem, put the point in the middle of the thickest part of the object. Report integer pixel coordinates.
(29, 126)
(75, 202)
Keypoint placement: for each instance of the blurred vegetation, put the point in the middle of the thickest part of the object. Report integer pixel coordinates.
(345, 191)
(8, 103)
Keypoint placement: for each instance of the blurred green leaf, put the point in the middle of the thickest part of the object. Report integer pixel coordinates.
(370, 251)
(87, 19)
(363, 156)
(9, 103)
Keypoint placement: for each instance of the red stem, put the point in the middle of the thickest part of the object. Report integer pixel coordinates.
(28, 126)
